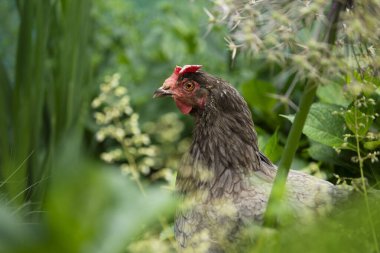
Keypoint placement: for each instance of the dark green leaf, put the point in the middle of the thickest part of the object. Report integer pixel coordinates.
(257, 93)
(321, 152)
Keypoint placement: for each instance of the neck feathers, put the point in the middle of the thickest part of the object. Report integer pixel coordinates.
(224, 148)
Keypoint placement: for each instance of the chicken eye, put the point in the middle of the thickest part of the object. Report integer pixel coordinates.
(189, 86)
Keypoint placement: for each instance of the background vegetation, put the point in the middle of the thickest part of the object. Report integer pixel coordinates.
(88, 159)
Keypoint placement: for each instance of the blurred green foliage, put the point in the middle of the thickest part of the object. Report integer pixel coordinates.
(46, 92)
(344, 230)
(88, 208)
(57, 196)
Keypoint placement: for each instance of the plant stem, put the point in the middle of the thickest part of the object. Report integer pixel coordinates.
(289, 152)
(361, 160)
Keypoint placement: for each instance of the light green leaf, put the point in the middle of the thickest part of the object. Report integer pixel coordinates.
(372, 145)
(332, 94)
(290, 117)
(272, 149)
(359, 120)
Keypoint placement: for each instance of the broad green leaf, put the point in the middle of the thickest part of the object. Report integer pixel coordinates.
(332, 94)
(324, 126)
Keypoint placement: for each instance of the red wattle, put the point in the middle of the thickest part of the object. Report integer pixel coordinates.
(184, 108)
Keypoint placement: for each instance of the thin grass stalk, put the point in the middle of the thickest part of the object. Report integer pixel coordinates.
(364, 184)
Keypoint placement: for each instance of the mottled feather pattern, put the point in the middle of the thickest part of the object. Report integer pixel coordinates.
(225, 181)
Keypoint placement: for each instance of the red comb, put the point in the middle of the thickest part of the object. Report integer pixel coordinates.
(171, 80)
(177, 69)
(189, 69)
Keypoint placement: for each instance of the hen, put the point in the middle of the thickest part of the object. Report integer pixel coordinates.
(224, 179)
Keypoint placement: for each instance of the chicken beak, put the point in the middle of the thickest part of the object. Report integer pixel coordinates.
(162, 92)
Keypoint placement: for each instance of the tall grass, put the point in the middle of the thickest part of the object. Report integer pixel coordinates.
(42, 100)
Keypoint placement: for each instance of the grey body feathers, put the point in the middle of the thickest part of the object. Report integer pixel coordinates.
(225, 181)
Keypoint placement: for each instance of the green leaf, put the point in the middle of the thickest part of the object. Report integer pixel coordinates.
(299, 163)
(371, 145)
(272, 149)
(290, 117)
(323, 126)
(321, 152)
(106, 212)
(332, 94)
(257, 92)
(358, 118)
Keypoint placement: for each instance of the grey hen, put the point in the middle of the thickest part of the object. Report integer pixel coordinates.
(224, 180)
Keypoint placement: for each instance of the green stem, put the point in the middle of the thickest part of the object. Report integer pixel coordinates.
(290, 150)
(361, 160)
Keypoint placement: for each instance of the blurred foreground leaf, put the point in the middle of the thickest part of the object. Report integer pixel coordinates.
(88, 209)
(345, 230)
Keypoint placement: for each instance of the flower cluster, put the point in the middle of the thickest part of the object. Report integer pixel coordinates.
(118, 125)
(139, 151)
(359, 117)
(300, 34)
